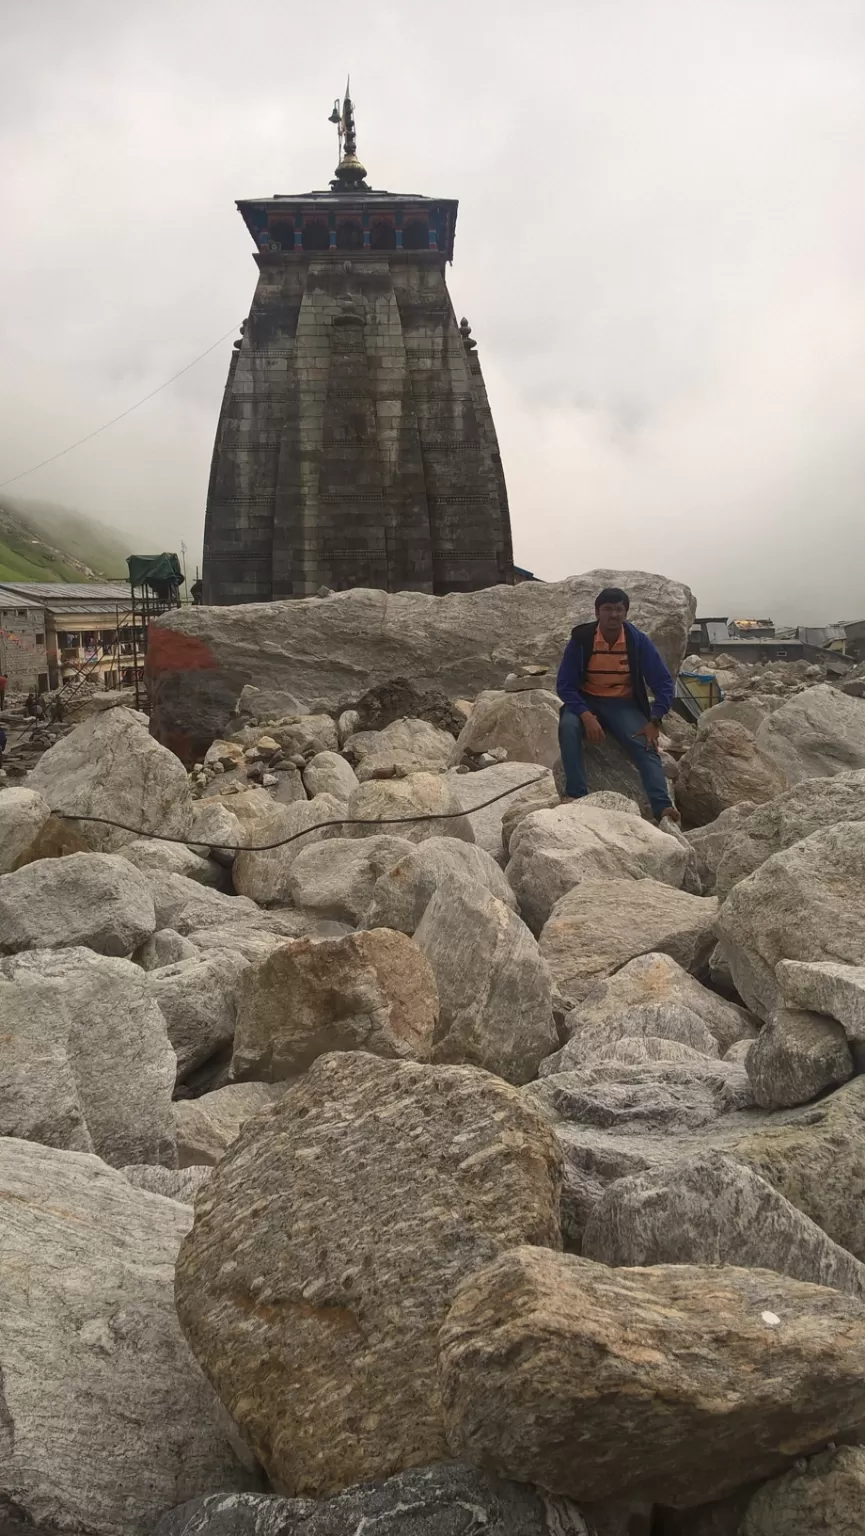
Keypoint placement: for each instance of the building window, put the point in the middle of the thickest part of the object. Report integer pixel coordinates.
(382, 236)
(40, 639)
(315, 236)
(415, 236)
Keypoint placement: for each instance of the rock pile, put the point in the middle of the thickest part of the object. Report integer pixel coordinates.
(526, 1141)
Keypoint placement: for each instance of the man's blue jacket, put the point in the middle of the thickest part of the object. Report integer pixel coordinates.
(646, 665)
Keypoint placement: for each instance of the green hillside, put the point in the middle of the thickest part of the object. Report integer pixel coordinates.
(42, 542)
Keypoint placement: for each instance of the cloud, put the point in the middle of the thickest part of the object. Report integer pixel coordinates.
(661, 249)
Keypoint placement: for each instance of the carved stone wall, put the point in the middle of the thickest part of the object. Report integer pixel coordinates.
(355, 444)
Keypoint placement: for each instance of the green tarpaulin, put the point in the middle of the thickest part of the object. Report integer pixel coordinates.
(154, 571)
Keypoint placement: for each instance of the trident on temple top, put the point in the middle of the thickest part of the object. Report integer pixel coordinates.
(350, 173)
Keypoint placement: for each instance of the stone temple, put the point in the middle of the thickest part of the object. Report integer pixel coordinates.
(355, 446)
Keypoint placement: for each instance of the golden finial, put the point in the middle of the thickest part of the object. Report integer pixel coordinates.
(350, 173)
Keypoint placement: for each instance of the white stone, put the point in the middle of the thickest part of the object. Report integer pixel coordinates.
(329, 774)
(264, 875)
(401, 806)
(112, 767)
(817, 733)
(404, 890)
(336, 878)
(23, 814)
(99, 900)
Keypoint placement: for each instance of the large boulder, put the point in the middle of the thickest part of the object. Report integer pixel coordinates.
(411, 745)
(591, 1042)
(98, 900)
(262, 872)
(85, 1060)
(723, 768)
(108, 1422)
(111, 767)
(504, 784)
(602, 924)
(656, 1380)
(23, 814)
(827, 1494)
(553, 851)
(199, 659)
(543, 795)
(370, 992)
(710, 842)
(495, 992)
(216, 831)
(198, 1000)
(658, 981)
(828, 988)
(797, 1056)
(403, 807)
(708, 1209)
(329, 774)
(524, 725)
(806, 808)
(206, 1127)
(329, 1244)
(153, 855)
(425, 1501)
(805, 903)
(404, 890)
(336, 878)
(812, 1155)
(816, 734)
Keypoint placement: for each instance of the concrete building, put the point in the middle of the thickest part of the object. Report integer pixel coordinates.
(23, 653)
(355, 444)
(67, 630)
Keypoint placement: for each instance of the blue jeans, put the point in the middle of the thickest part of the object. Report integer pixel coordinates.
(622, 719)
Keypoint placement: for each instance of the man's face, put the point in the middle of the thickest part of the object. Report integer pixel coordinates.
(611, 617)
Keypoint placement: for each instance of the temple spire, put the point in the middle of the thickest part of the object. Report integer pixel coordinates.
(350, 173)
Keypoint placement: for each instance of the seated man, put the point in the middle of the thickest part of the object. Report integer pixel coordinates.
(603, 682)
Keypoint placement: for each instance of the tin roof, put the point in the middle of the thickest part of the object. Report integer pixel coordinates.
(68, 594)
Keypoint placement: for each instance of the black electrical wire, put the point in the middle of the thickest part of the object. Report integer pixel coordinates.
(342, 821)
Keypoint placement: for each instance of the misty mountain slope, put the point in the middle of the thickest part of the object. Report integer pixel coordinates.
(43, 542)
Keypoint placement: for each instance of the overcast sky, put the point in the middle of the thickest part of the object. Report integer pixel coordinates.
(660, 247)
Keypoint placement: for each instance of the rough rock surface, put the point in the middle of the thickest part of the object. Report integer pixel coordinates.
(200, 658)
(602, 924)
(806, 808)
(473, 789)
(796, 1056)
(198, 1000)
(412, 744)
(394, 800)
(723, 768)
(216, 832)
(708, 1209)
(172, 1183)
(370, 992)
(656, 980)
(85, 1060)
(495, 993)
(816, 734)
(445, 1500)
(635, 1367)
(710, 843)
(264, 875)
(805, 903)
(206, 1127)
(182, 905)
(591, 1041)
(23, 814)
(108, 1422)
(350, 1215)
(524, 725)
(403, 892)
(98, 900)
(828, 1494)
(552, 851)
(836, 990)
(336, 878)
(643, 1096)
(165, 947)
(329, 774)
(112, 767)
(152, 854)
(812, 1155)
